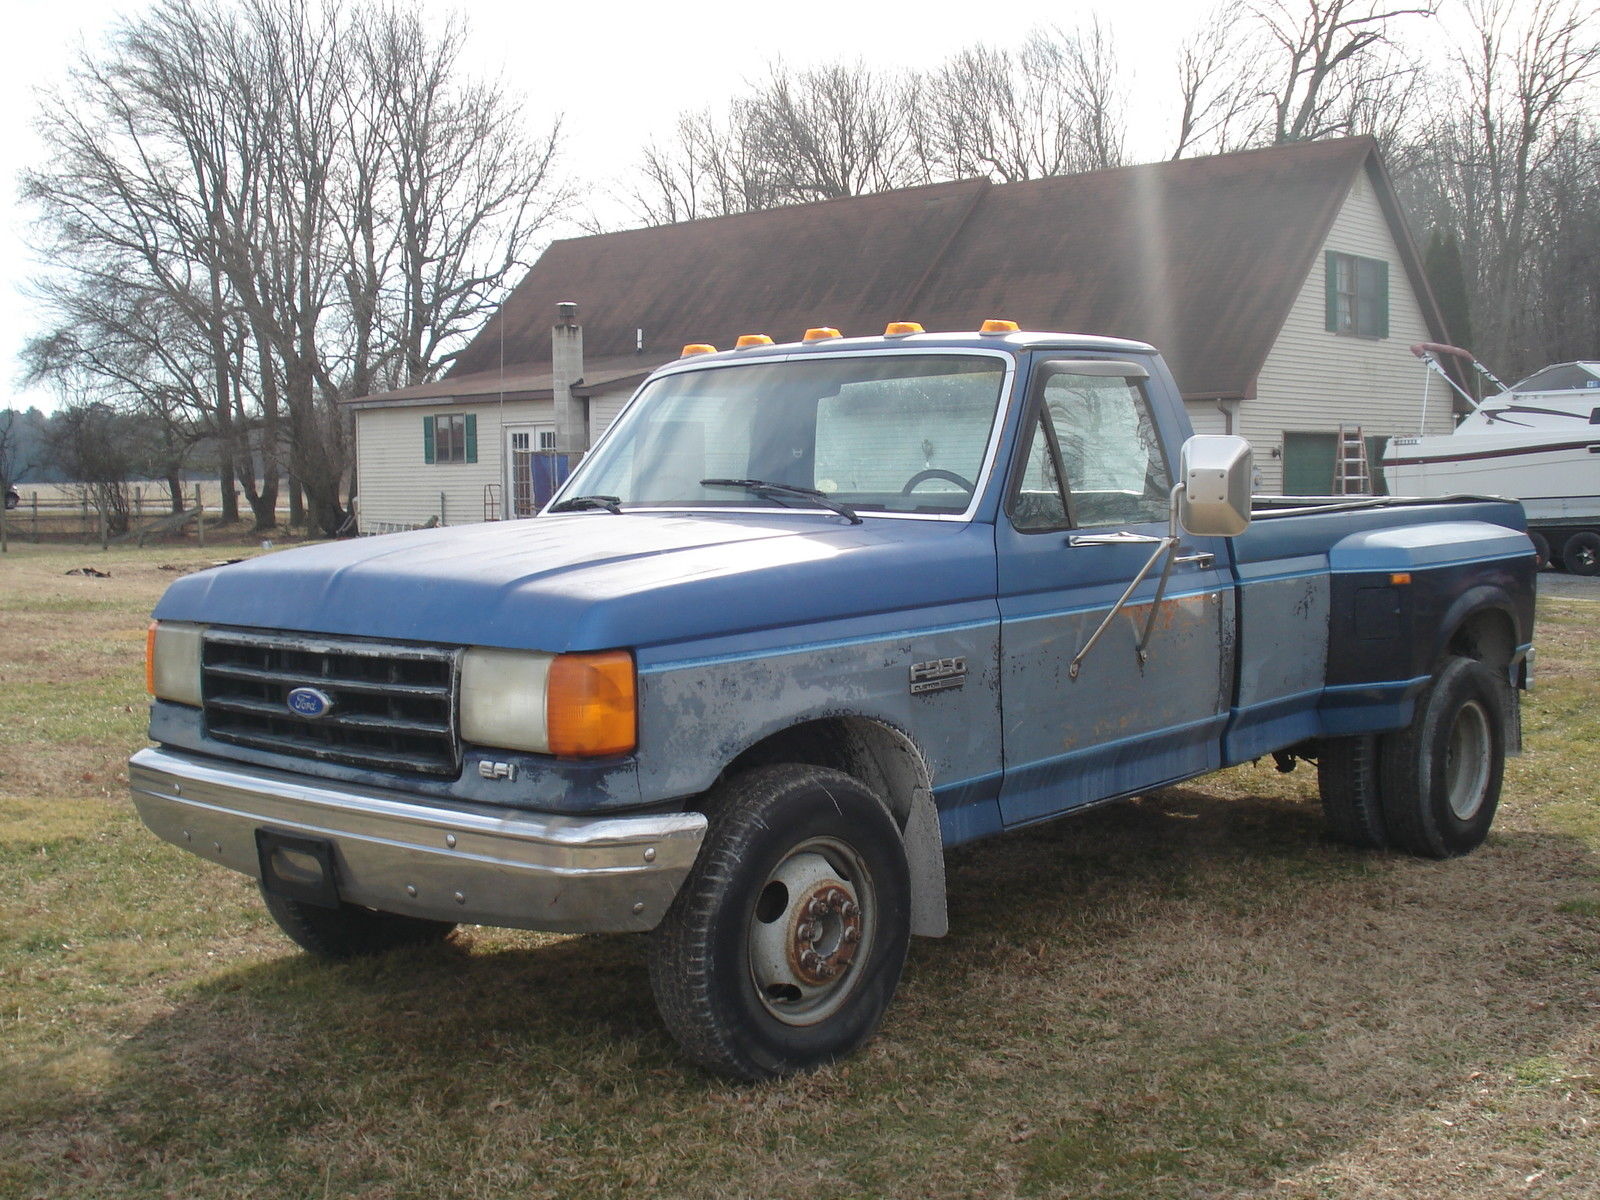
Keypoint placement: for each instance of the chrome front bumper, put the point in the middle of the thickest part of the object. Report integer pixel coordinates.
(427, 858)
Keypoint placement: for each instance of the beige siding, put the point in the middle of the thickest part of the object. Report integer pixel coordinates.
(1206, 417)
(603, 410)
(398, 489)
(1313, 379)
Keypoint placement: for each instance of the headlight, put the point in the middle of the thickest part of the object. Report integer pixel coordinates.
(172, 661)
(570, 705)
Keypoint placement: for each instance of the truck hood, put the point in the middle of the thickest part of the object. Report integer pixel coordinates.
(589, 581)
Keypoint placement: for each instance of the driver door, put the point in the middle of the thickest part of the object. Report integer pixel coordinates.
(1092, 464)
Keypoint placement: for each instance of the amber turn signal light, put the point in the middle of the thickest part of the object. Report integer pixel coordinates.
(590, 704)
(150, 659)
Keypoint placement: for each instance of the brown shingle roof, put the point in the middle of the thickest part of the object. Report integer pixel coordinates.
(849, 263)
(1201, 257)
(525, 381)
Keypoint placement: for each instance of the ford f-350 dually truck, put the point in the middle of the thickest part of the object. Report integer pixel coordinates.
(807, 615)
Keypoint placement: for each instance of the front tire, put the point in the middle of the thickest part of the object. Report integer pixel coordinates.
(783, 948)
(1440, 776)
(349, 931)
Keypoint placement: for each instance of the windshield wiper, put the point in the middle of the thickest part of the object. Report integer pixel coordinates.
(612, 504)
(762, 487)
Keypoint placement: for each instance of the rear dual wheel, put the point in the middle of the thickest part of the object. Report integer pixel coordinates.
(1431, 788)
(784, 945)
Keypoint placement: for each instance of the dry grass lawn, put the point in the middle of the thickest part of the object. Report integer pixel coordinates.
(1189, 995)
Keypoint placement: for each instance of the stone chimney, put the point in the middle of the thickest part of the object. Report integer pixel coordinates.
(566, 371)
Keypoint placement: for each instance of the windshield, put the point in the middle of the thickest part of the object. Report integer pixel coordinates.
(1559, 379)
(879, 433)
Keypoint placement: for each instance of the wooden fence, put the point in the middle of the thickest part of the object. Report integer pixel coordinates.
(64, 513)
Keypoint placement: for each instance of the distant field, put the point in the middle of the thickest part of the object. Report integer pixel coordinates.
(1189, 996)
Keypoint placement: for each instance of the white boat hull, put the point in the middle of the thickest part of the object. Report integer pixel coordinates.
(1555, 477)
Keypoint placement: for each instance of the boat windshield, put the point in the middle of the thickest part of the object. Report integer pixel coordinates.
(1565, 377)
(905, 433)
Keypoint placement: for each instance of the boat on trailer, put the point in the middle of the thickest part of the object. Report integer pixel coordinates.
(1537, 441)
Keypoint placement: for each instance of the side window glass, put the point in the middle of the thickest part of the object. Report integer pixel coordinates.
(1040, 502)
(1109, 450)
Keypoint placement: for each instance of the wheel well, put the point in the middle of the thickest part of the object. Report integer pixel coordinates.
(1486, 635)
(885, 760)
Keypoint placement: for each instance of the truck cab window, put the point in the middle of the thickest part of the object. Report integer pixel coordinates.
(1095, 458)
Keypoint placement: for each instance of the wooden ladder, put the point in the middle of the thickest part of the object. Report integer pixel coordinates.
(1351, 474)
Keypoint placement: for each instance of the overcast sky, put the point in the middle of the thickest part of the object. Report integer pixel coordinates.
(619, 71)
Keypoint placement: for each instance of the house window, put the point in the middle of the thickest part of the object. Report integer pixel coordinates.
(450, 438)
(1358, 295)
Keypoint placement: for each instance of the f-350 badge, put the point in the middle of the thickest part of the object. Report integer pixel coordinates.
(937, 675)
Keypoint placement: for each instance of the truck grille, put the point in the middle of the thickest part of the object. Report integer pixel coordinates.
(393, 704)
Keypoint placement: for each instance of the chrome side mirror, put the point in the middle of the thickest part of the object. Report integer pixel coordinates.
(1214, 499)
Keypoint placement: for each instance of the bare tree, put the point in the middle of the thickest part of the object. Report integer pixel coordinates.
(314, 191)
(1220, 86)
(1508, 162)
(707, 168)
(1053, 106)
(828, 132)
(1330, 59)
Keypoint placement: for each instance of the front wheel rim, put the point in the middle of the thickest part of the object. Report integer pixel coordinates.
(1466, 761)
(811, 930)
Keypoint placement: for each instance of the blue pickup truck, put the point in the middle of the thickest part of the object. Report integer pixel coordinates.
(806, 616)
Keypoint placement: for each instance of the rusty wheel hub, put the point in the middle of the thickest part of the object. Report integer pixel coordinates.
(811, 921)
(827, 930)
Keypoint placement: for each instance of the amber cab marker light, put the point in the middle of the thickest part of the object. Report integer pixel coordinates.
(898, 328)
(746, 340)
(821, 334)
(150, 659)
(590, 705)
(1400, 577)
(992, 325)
(698, 348)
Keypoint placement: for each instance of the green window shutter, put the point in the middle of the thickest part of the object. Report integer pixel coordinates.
(472, 437)
(1331, 273)
(427, 439)
(1381, 290)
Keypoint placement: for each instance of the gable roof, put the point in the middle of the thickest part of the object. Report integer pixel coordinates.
(1202, 257)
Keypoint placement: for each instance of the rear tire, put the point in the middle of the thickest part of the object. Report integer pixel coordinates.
(1352, 803)
(350, 931)
(1580, 553)
(783, 947)
(1440, 776)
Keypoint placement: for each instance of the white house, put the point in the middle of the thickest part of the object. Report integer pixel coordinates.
(1281, 284)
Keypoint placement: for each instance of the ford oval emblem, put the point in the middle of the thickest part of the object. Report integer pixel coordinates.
(310, 702)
